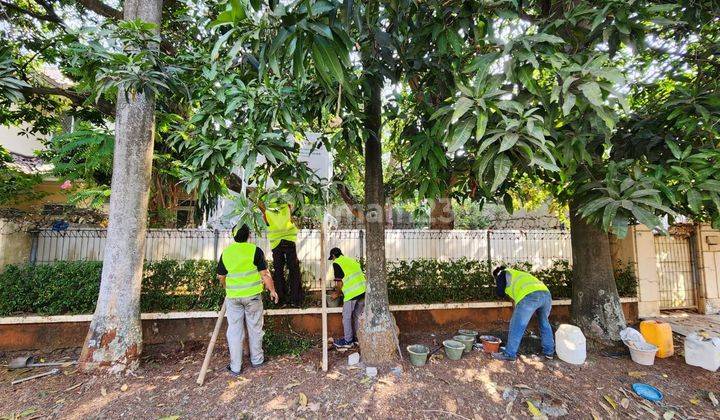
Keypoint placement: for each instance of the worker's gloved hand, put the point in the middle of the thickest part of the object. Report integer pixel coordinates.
(274, 296)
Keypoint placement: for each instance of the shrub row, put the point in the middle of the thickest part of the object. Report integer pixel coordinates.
(168, 285)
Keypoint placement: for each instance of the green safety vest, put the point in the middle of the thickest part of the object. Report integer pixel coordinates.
(522, 284)
(280, 226)
(243, 279)
(354, 280)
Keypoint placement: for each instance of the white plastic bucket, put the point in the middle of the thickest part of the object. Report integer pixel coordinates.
(643, 353)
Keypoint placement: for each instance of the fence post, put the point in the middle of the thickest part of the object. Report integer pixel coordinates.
(34, 234)
(361, 237)
(489, 252)
(216, 243)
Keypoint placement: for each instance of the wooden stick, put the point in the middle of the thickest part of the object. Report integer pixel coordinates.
(39, 375)
(211, 346)
(323, 273)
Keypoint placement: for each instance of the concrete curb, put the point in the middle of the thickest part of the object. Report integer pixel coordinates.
(39, 319)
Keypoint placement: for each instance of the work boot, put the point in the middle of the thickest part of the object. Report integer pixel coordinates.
(503, 356)
(232, 372)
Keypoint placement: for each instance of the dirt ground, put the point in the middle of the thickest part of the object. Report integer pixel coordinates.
(288, 386)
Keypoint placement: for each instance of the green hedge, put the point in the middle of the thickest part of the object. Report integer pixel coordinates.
(72, 287)
(432, 281)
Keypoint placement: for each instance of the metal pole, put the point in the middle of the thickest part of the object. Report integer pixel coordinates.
(489, 251)
(216, 243)
(361, 236)
(34, 246)
(323, 273)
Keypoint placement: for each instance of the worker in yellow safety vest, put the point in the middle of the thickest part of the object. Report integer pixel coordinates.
(242, 271)
(350, 281)
(530, 296)
(282, 235)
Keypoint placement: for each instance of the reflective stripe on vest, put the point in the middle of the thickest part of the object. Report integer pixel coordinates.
(243, 279)
(354, 281)
(522, 284)
(280, 225)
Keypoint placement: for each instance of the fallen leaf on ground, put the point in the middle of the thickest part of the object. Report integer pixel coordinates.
(533, 410)
(292, 385)
(611, 401)
(695, 401)
(668, 415)
(124, 387)
(303, 399)
(606, 408)
(650, 410)
(713, 400)
(173, 417)
(636, 374)
(625, 403)
(103, 391)
(174, 378)
(73, 387)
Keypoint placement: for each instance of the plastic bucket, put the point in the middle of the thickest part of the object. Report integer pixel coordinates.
(453, 349)
(469, 333)
(643, 353)
(467, 340)
(418, 354)
(491, 344)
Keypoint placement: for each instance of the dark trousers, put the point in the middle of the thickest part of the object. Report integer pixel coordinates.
(286, 254)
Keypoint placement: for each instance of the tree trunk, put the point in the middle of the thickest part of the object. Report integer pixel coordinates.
(596, 305)
(114, 341)
(378, 335)
(442, 215)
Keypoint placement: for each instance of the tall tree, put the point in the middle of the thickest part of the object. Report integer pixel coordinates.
(114, 341)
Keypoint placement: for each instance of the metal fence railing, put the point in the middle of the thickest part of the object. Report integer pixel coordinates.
(538, 247)
(676, 271)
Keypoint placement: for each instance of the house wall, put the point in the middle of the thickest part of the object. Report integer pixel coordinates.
(707, 246)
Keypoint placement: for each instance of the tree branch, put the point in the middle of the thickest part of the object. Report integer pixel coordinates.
(77, 98)
(101, 9)
(49, 15)
(350, 201)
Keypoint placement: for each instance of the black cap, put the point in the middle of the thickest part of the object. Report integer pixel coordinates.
(334, 253)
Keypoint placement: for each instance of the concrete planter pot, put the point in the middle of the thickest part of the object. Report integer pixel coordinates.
(418, 354)
(466, 340)
(453, 349)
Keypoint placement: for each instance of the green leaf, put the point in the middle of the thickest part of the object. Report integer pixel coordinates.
(674, 149)
(710, 185)
(461, 133)
(461, 107)
(591, 90)
(568, 104)
(645, 217)
(501, 167)
(509, 140)
(508, 202)
(609, 214)
(595, 205)
(480, 125)
(694, 200)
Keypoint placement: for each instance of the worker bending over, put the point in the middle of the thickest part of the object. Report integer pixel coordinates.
(242, 271)
(530, 296)
(282, 234)
(350, 280)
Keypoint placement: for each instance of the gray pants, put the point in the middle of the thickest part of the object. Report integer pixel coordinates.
(352, 309)
(242, 312)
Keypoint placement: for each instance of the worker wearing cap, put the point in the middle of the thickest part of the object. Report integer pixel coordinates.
(282, 234)
(530, 296)
(242, 271)
(350, 280)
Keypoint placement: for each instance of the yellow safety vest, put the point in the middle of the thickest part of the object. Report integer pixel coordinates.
(522, 284)
(280, 226)
(243, 279)
(354, 280)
